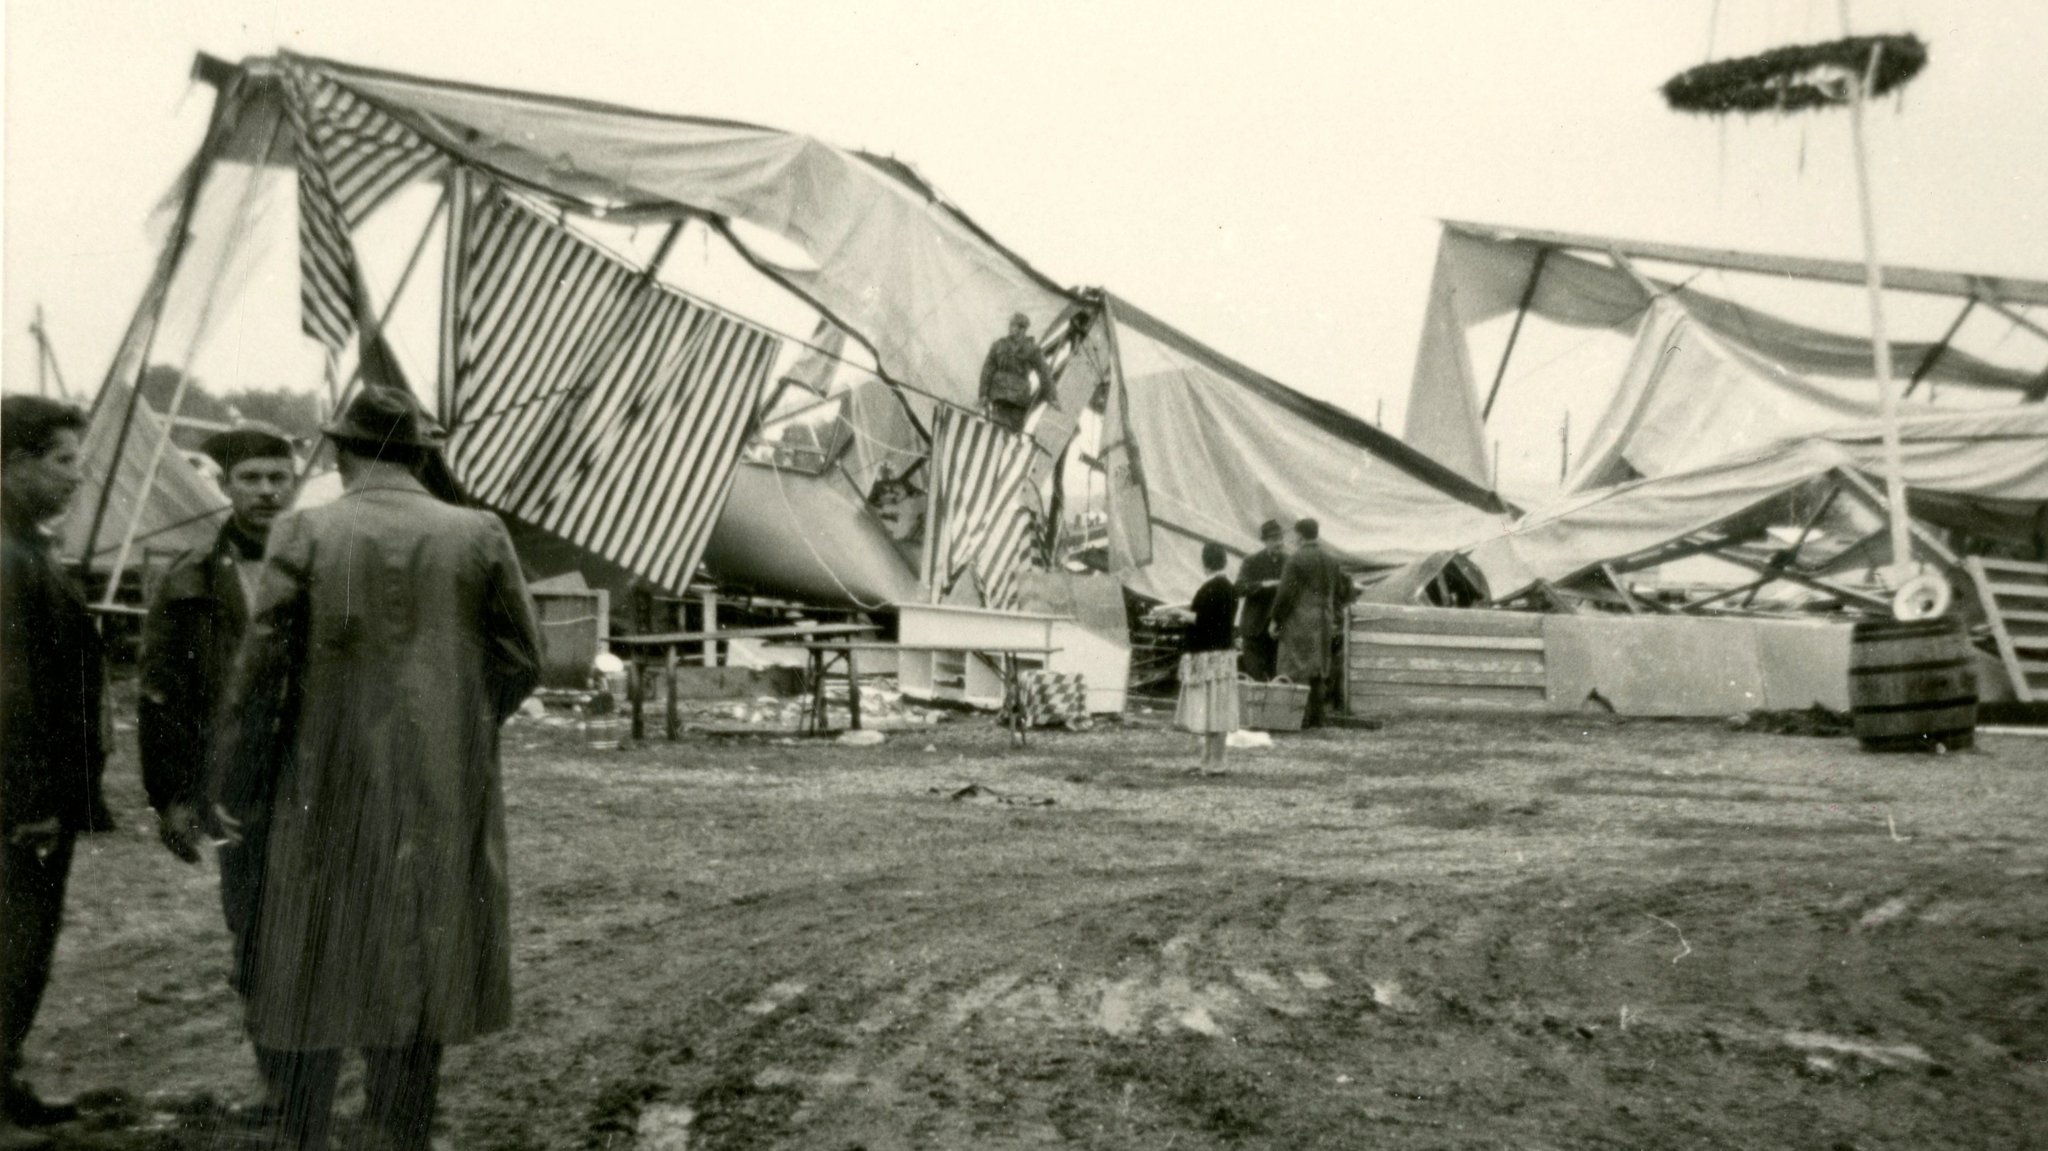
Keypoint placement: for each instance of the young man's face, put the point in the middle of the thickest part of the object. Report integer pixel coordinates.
(43, 485)
(259, 489)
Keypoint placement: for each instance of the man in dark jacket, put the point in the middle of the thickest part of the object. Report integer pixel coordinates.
(189, 641)
(391, 635)
(1307, 613)
(52, 749)
(1007, 392)
(1258, 581)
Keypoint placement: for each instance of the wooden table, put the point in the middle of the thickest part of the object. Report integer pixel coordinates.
(640, 647)
(824, 652)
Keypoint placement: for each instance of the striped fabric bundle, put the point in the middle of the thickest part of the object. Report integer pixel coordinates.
(351, 157)
(985, 516)
(597, 404)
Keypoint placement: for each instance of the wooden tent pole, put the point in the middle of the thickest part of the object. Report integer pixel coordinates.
(156, 455)
(1500, 374)
(1880, 344)
(147, 315)
(455, 195)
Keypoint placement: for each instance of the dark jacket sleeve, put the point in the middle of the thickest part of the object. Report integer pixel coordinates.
(988, 371)
(23, 788)
(258, 719)
(52, 738)
(171, 717)
(511, 625)
(1293, 584)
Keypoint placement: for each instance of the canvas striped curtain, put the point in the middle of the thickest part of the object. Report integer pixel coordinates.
(595, 403)
(984, 513)
(351, 158)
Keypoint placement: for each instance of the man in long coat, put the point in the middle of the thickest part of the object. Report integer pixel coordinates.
(52, 749)
(392, 635)
(1258, 582)
(1314, 591)
(189, 640)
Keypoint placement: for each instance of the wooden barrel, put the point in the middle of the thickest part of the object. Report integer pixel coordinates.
(1912, 686)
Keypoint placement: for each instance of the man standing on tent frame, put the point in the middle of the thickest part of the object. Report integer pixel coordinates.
(392, 634)
(1314, 591)
(1007, 392)
(194, 628)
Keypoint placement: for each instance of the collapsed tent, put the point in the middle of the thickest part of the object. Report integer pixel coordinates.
(1983, 474)
(1222, 448)
(608, 408)
(1691, 376)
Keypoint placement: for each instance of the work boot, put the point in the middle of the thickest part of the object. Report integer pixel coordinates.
(20, 1106)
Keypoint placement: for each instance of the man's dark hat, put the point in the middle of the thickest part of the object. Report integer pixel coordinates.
(253, 440)
(1271, 530)
(385, 418)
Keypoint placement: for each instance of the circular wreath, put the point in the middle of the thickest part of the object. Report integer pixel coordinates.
(1795, 78)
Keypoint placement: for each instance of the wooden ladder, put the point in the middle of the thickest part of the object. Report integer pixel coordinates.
(2015, 598)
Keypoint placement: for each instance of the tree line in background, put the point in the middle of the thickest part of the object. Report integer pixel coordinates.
(295, 413)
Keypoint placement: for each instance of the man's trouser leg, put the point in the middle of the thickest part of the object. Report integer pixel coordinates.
(31, 912)
(1313, 715)
(1009, 416)
(307, 1118)
(401, 1086)
(241, 891)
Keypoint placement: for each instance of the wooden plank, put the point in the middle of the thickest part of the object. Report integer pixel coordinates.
(1439, 691)
(665, 639)
(1456, 642)
(2007, 654)
(1453, 661)
(1445, 621)
(2020, 591)
(1533, 679)
(2024, 567)
(1451, 699)
(2024, 617)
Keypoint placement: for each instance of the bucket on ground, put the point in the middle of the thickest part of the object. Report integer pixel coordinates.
(1912, 686)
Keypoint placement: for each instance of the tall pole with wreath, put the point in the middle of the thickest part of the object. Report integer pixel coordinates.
(1805, 77)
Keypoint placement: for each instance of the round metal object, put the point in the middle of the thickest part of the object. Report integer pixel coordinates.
(1925, 596)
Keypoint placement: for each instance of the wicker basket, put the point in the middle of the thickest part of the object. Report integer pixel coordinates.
(1275, 706)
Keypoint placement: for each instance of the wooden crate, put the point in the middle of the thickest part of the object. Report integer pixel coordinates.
(1420, 657)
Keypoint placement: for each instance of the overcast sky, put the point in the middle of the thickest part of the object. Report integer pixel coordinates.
(1263, 175)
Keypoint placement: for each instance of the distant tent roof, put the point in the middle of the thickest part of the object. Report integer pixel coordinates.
(887, 256)
(1983, 472)
(1225, 448)
(1709, 377)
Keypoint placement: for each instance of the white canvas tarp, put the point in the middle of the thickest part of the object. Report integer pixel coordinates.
(184, 508)
(1697, 377)
(875, 247)
(1225, 448)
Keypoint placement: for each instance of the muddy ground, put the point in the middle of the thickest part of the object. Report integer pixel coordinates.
(1448, 933)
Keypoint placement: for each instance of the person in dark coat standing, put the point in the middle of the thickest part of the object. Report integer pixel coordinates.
(195, 625)
(1258, 581)
(1314, 591)
(52, 744)
(1007, 392)
(391, 635)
